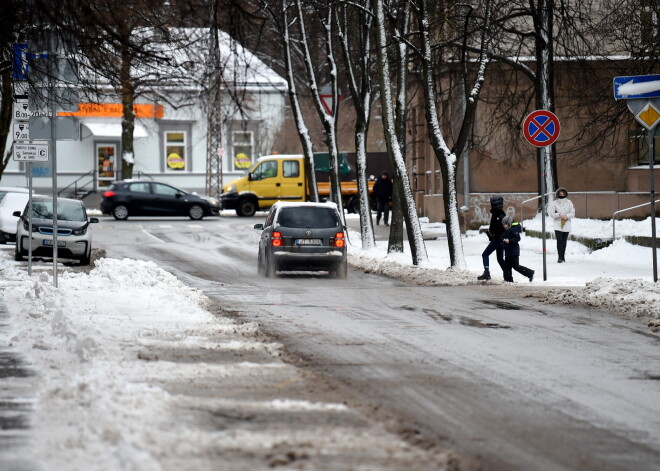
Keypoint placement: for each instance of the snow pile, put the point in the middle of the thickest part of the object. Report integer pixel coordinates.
(633, 299)
(399, 266)
(96, 406)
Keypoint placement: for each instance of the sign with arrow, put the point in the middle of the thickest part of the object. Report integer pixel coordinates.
(636, 86)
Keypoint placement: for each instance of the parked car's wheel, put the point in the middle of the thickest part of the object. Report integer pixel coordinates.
(18, 254)
(87, 258)
(120, 212)
(196, 212)
(2, 238)
(246, 207)
(271, 268)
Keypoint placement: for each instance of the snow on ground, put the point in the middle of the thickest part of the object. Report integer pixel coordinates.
(135, 373)
(618, 278)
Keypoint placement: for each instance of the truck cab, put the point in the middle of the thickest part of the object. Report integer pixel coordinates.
(272, 178)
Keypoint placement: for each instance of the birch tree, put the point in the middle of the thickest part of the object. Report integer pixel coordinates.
(356, 49)
(415, 238)
(448, 158)
(325, 12)
(282, 21)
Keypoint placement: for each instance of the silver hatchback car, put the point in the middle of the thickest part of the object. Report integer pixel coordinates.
(74, 238)
(302, 237)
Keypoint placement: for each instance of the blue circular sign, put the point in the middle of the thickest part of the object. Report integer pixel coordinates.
(541, 128)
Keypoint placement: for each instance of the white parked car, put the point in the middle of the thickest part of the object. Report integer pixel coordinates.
(74, 238)
(9, 204)
(11, 189)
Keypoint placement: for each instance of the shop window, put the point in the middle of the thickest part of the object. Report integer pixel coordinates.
(175, 151)
(243, 144)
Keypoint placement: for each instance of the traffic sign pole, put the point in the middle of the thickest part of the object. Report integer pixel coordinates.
(641, 94)
(541, 129)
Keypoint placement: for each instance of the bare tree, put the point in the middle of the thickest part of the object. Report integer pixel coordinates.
(415, 237)
(355, 39)
(448, 158)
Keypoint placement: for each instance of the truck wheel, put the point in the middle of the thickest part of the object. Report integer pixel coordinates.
(353, 205)
(246, 207)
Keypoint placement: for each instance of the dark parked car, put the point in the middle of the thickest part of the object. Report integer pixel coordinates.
(74, 239)
(302, 237)
(150, 198)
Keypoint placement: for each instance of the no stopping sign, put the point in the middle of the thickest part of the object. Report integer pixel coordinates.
(541, 128)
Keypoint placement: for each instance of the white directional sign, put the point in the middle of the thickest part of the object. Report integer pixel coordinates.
(21, 132)
(31, 152)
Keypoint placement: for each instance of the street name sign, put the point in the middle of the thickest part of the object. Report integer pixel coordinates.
(541, 128)
(636, 86)
(31, 152)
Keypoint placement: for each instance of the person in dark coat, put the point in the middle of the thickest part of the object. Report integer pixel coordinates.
(494, 233)
(383, 194)
(511, 239)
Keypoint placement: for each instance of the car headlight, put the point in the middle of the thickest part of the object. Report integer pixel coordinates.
(231, 188)
(81, 231)
(213, 202)
(26, 226)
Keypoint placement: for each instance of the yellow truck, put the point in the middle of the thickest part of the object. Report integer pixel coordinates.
(280, 178)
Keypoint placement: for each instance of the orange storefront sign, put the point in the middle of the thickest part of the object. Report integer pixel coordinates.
(114, 110)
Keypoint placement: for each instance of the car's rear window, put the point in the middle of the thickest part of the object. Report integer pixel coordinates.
(308, 217)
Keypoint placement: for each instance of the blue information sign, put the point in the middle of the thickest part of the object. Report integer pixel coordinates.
(639, 86)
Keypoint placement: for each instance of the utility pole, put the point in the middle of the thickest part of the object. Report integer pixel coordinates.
(214, 148)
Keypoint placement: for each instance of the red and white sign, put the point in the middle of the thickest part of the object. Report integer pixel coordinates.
(326, 101)
(541, 128)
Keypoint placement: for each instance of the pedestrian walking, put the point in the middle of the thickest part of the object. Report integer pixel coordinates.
(562, 211)
(494, 233)
(511, 239)
(383, 194)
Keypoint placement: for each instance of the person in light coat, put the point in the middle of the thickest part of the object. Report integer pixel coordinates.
(562, 211)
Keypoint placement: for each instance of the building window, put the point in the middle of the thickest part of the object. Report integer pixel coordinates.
(243, 144)
(648, 17)
(175, 151)
(643, 154)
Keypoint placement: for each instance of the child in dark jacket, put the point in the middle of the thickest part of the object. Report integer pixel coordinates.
(511, 238)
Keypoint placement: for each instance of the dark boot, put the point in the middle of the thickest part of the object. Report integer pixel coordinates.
(485, 275)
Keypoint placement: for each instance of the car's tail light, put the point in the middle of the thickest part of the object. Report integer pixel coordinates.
(109, 194)
(276, 240)
(339, 239)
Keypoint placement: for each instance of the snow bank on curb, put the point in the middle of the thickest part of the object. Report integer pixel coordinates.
(631, 299)
(394, 266)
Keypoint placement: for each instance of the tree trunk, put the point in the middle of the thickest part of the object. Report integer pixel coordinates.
(543, 23)
(6, 107)
(415, 239)
(447, 160)
(128, 118)
(395, 242)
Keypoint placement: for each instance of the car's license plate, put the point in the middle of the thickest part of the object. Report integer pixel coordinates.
(308, 241)
(60, 243)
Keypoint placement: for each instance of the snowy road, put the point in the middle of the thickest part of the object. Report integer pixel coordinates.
(508, 381)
